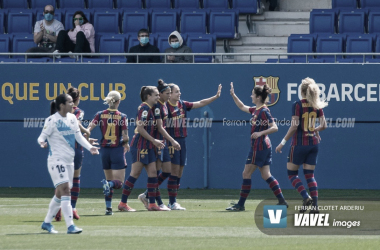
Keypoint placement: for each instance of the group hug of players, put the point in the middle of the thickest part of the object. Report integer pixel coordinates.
(161, 149)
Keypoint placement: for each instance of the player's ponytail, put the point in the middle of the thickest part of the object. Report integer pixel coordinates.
(74, 93)
(55, 104)
(311, 90)
(145, 91)
(262, 91)
(112, 97)
(162, 86)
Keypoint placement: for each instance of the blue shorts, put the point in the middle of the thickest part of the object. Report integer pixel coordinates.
(163, 154)
(178, 157)
(145, 156)
(78, 158)
(299, 155)
(259, 158)
(113, 158)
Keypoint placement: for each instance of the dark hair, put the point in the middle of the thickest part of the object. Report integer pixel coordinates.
(162, 86)
(145, 91)
(172, 85)
(54, 105)
(74, 92)
(85, 20)
(262, 91)
(142, 31)
(173, 36)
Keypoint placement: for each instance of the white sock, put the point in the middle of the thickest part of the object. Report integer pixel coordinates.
(54, 206)
(67, 210)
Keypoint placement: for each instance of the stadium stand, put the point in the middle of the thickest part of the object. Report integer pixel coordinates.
(20, 22)
(158, 4)
(323, 22)
(374, 22)
(302, 43)
(15, 4)
(344, 4)
(129, 4)
(202, 44)
(113, 44)
(71, 4)
(22, 43)
(186, 4)
(330, 44)
(370, 4)
(40, 4)
(4, 45)
(133, 21)
(193, 22)
(223, 24)
(100, 4)
(106, 21)
(246, 6)
(352, 22)
(163, 22)
(3, 14)
(359, 44)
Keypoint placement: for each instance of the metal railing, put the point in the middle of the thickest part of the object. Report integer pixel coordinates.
(215, 57)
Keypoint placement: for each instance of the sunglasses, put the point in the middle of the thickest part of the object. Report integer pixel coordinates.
(144, 36)
(47, 11)
(80, 19)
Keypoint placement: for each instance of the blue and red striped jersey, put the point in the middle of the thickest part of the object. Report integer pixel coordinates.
(148, 117)
(161, 108)
(79, 114)
(308, 115)
(112, 123)
(261, 118)
(176, 122)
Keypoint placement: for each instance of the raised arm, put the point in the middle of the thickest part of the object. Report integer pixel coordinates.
(204, 102)
(237, 101)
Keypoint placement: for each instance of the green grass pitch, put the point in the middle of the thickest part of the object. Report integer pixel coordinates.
(204, 225)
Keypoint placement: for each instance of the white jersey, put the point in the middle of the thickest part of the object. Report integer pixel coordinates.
(60, 132)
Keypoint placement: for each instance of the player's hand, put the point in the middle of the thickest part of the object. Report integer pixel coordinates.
(219, 91)
(232, 91)
(158, 144)
(278, 148)
(256, 135)
(43, 144)
(176, 145)
(93, 141)
(94, 150)
(318, 136)
(126, 148)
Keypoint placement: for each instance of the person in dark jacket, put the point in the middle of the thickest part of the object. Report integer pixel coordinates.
(144, 47)
(176, 46)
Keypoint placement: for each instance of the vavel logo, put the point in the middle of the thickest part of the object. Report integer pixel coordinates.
(275, 216)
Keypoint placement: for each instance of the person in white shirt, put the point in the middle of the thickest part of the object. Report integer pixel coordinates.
(61, 129)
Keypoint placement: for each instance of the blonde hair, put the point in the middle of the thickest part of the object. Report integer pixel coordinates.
(311, 90)
(112, 97)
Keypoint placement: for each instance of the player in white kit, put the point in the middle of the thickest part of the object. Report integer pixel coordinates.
(61, 130)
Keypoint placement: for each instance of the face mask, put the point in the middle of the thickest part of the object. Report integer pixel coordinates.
(81, 22)
(175, 45)
(48, 17)
(144, 40)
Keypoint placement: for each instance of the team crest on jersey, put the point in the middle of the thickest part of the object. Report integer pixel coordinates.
(273, 84)
(144, 114)
(157, 111)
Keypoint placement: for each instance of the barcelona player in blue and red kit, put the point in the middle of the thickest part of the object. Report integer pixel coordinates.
(143, 149)
(176, 127)
(163, 160)
(260, 154)
(305, 141)
(114, 144)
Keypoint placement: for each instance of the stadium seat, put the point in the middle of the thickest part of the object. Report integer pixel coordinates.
(20, 22)
(71, 4)
(37, 60)
(300, 44)
(3, 14)
(216, 4)
(352, 22)
(281, 61)
(322, 22)
(193, 22)
(330, 44)
(40, 4)
(164, 22)
(370, 4)
(344, 4)
(158, 4)
(21, 43)
(4, 45)
(57, 15)
(100, 4)
(133, 21)
(69, 17)
(359, 44)
(377, 47)
(113, 44)
(9, 60)
(186, 4)
(64, 60)
(162, 42)
(202, 44)
(15, 4)
(246, 6)
(106, 22)
(129, 4)
(92, 60)
(223, 24)
(374, 22)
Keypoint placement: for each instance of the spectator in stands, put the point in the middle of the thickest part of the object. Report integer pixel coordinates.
(144, 47)
(46, 32)
(80, 39)
(176, 46)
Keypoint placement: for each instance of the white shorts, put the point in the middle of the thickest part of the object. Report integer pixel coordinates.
(61, 172)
